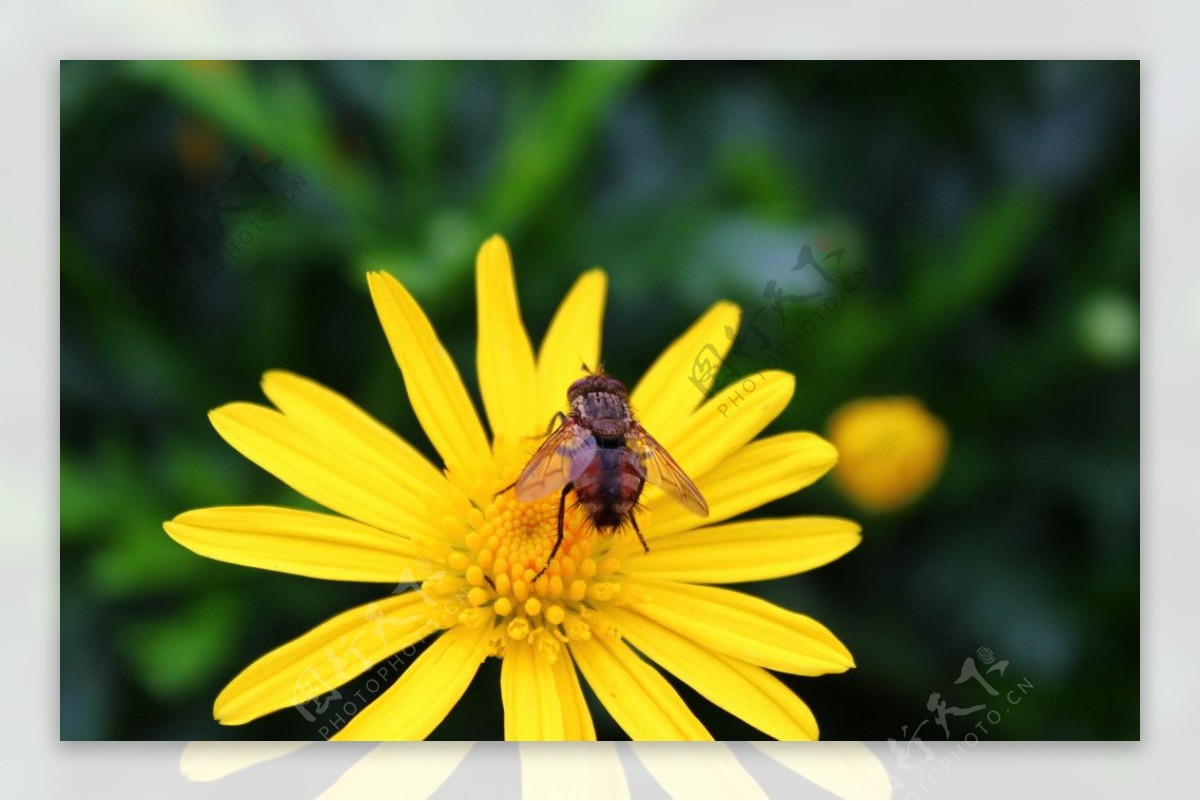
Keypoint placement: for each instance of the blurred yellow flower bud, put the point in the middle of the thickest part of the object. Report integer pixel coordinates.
(890, 450)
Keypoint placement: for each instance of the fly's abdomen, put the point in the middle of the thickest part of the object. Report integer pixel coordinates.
(609, 487)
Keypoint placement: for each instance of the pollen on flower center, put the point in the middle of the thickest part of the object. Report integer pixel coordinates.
(506, 548)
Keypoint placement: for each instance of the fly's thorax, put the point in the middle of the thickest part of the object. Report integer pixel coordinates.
(605, 413)
(597, 382)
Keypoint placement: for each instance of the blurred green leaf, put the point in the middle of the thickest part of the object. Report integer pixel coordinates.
(550, 143)
(954, 278)
(85, 497)
(279, 113)
(178, 655)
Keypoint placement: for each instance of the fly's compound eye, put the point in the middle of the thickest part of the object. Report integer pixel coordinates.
(579, 387)
(615, 387)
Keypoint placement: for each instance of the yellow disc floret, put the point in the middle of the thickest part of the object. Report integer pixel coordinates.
(498, 570)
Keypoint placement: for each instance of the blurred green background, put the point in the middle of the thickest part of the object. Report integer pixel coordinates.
(995, 205)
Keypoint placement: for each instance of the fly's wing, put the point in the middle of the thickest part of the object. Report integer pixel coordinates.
(562, 457)
(662, 471)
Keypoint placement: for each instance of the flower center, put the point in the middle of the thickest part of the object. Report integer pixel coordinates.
(506, 548)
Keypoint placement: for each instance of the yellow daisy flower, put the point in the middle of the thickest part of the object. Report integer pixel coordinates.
(603, 609)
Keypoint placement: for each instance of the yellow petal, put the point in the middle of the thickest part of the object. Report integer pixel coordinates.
(846, 769)
(572, 340)
(532, 710)
(743, 627)
(704, 771)
(681, 377)
(728, 421)
(325, 658)
(293, 541)
(749, 692)
(507, 379)
(426, 692)
(759, 473)
(577, 719)
(725, 423)
(435, 388)
(635, 694)
(542, 699)
(343, 425)
(389, 771)
(554, 771)
(753, 550)
(330, 475)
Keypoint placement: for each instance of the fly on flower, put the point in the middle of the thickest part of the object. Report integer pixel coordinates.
(601, 451)
(601, 617)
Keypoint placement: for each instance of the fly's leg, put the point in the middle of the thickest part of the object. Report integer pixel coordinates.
(632, 519)
(558, 419)
(562, 510)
